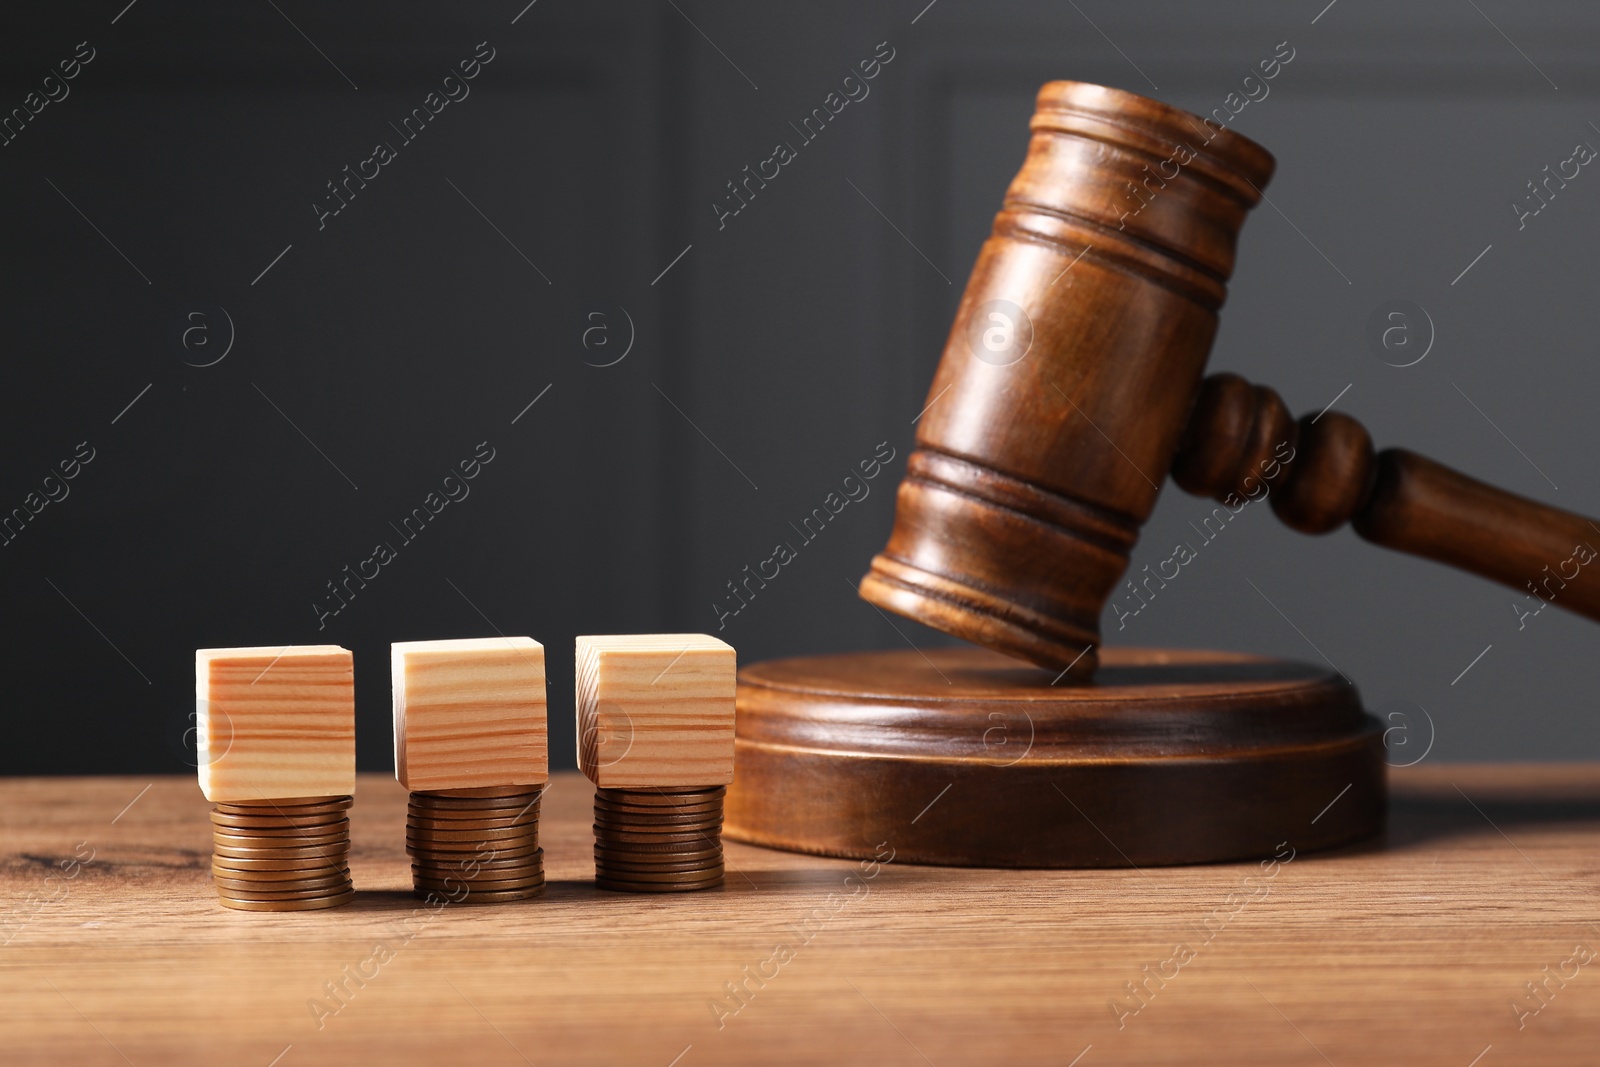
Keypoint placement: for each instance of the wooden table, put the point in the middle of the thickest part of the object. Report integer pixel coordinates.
(1410, 950)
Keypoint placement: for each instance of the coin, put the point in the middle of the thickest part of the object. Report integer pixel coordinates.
(470, 833)
(312, 904)
(479, 896)
(651, 798)
(459, 820)
(260, 875)
(627, 820)
(628, 838)
(657, 861)
(436, 803)
(488, 885)
(698, 856)
(320, 826)
(660, 831)
(655, 817)
(276, 839)
(433, 803)
(233, 863)
(445, 852)
(325, 853)
(469, 862)
(480, 792)
(654, 887)
(324, 882)
(528, 824)
(287, 803)
(705, 874)
(678, 851)
(667, 797)
(279, 811)
(274, 894)
(270, 843)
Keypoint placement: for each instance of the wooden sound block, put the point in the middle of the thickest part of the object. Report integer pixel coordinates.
(275, 723)
(469, 713)
(655, 710)
(964, 757)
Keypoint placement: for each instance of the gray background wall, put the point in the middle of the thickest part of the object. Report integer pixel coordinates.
(774, 354)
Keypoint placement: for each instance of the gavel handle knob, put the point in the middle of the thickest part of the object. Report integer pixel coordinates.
(1241, 443)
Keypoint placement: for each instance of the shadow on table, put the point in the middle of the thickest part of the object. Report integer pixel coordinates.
(771, 883)
(1423, 819)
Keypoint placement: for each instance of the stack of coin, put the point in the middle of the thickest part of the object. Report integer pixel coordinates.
(282, 855)
(477, 846)
(658, 840)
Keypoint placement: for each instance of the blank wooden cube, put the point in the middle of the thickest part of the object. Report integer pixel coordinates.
(655, 710)
(275, 723)
(469, 713)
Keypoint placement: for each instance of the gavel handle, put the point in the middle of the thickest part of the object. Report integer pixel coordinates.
(1241, 443)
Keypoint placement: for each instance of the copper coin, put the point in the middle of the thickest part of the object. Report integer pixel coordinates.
(675, 849)
(628, 863)
(312, 904)
(271, 827)
(431, 803)
(447, 819)
(456, 820)
(282, 838)
(497, 822)
(266, 880)
(423, 835)
(479, 896)
(654, 815)
(458, 861)
(665, 839)
(485, 885)
(653, 859)
(602, 804)
(704, 875)
(284, 894)
(654, 887)
(658, 863)
(325, 853)
(509, 822)
(498, 880)
(489, 791)
(236, 840)
(664, 796)
(610, 829)
(232, 863)
(468, 867)
(645, 799)
(493, 822)
(250, 807)
(326, 883)
(317, 803)
(447, 879)
(434, 873)
(459, 850)
(278, 876)
(275, 822)
(330, 815)
(515, 846)
(279, 827)
(476, 809)
(626, 820)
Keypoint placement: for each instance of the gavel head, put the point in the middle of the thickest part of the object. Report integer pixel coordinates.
(1070, 371)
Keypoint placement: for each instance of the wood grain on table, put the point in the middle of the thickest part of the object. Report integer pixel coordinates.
(1414, 949)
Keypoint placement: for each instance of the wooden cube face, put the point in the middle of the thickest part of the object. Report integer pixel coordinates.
(469, 713)
(275, 723)
(655, 710)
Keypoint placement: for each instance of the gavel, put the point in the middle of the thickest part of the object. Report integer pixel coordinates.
(1071, 385)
